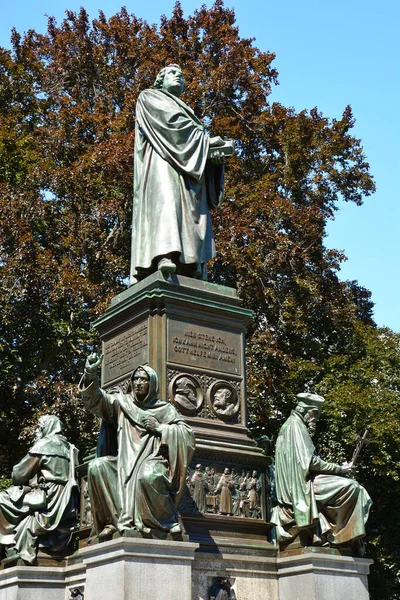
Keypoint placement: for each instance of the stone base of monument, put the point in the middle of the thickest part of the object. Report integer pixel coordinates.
(322, 574)
(193, 334)
(141, 569)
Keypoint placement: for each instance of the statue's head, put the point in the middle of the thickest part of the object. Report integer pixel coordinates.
(187, 388)
(170, 78)
(144, 384)
(222, 398)
(309, 407)
(48, 425)
(140, 384)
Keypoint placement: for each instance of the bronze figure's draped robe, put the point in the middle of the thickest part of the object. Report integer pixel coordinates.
(174, 184)
(49, 464)
(311, 493)
(225, 487)
(200, 489)
(141, 487)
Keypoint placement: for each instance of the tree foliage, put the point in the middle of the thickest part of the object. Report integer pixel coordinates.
(67, 113)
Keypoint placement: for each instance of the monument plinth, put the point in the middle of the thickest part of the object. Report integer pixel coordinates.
(193, 333)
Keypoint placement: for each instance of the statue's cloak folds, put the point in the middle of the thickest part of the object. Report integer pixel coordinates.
(174, 184)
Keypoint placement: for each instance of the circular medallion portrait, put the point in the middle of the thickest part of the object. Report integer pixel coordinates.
(186, 394)
(223, 399)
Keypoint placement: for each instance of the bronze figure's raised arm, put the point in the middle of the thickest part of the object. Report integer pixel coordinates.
(178, 178)
(140, 487)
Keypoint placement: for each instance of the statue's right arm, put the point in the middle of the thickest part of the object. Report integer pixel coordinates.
(317, 465)
(96, 400)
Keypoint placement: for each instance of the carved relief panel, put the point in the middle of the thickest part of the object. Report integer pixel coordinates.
(223, 490)
(204, 396)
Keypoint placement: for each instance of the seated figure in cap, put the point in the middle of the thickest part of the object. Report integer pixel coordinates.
(316, 501)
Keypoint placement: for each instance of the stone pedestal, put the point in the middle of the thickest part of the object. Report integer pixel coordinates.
(323, 575)
(123, 568)
(177, 325)
(251, 573)
(32, 583)
(193, 334)
(139, 569)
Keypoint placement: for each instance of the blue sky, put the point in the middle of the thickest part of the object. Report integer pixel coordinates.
(329, 53)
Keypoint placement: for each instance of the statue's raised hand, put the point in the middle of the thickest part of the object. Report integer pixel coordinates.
(218, 157)
(93, 362)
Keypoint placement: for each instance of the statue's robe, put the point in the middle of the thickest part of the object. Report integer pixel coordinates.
(48, 462)
(200, 489)
(174, 184)
(140, 487)
(225, 487)
(311, 493)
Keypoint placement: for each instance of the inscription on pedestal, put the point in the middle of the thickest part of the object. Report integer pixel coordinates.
(217, 350)
(125, 352)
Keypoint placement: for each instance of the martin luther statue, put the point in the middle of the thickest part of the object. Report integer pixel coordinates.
(178, 178)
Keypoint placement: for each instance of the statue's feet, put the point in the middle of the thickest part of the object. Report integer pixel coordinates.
(107, 532)
(200, 272)
(143, 530)
(166, 266)
(176, 529)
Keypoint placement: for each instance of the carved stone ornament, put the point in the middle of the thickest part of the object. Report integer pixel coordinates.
(221, 589)
(75, 594)
(223, 400)
(186, 394)
(222, 490)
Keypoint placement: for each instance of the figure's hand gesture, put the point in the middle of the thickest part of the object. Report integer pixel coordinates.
(218, 157)
(347, 468)
(93, 362)
(151, 424)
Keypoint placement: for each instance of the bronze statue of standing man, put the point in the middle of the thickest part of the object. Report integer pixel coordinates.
(178, 178)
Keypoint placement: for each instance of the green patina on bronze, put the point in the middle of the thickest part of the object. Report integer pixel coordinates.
(39, 510)
(178, 178)
(137, 483)
(313, 494)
